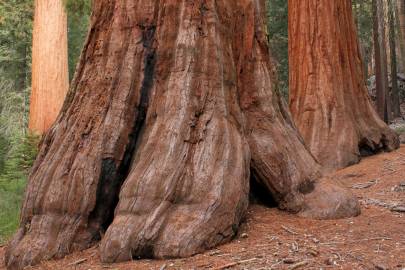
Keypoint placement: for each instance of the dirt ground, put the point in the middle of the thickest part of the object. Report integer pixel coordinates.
(271, 239)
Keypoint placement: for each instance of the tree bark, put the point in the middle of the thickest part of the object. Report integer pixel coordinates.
(328, 97)
(396, 110)
(401, 32)
(380, 55)
(50, 80)
(172, 110)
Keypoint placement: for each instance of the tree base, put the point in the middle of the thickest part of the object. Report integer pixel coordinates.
(158, 162)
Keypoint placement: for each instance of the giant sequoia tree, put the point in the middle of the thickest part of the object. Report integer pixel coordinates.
(328, 97)
(50, 80)
(171, 111)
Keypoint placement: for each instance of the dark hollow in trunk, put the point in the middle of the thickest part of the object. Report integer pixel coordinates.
(172, 107)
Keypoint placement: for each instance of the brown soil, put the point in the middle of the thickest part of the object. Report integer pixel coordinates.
(271, 239)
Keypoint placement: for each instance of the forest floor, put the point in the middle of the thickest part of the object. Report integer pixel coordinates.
(272, 239)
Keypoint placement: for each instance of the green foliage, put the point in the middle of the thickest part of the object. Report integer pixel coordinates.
(17, 152)
(19, 158)
(11, 194)
(17, 149)
(15, 41)
(12, 182)
(78, 8)
(277, 13)
(78, 21)
(400, 130)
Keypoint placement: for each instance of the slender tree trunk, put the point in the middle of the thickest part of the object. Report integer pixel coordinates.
(401, 32)
(381, 72)
(396, 111)
(20, 74)
(172, 110)
(49, 64)
(358, 8)
(328, 97)
(363, 56)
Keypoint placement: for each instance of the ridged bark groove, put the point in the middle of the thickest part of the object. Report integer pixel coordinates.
(176, 100)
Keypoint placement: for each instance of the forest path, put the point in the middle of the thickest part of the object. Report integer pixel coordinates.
(272, 239)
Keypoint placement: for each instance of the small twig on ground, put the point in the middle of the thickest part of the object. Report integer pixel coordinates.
(400, 209)
(77, 262)
(289, 230)
(225, 266)
(355, 241)
(275, 264)
(365, 185)
(298, 265)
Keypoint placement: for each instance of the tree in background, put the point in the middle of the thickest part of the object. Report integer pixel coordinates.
(400, 5)
(328, 96)
(15, 42)
(18, 147)
(383, 102)
(363, 14)
(277, 13)
(172, 107)
(78, 22)
(395, 98)
(15, 62)
(50, 80)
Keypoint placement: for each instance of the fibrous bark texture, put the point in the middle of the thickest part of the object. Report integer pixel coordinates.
(173, 108)
(400, 22)
(328, 96)
(50, 80)
(383, 102)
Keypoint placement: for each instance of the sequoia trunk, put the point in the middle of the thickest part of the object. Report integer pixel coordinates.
(328, 97)
(401, 33)
(50, 80)
(395, 97)
(172, 109)
(381, 64)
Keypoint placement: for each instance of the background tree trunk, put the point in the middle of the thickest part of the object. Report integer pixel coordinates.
(396, 111)
(328, 96)
(401, 32)
(381, 68)
(50, 80)
(175, 103)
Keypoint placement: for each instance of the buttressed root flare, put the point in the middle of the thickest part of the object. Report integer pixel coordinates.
(173, 107)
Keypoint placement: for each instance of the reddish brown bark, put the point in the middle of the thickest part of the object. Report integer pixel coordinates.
(383, 103)
(175, 101)
(401, 33)
(50, 80)
(328, 97)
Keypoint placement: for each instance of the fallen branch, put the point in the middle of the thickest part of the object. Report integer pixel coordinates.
(289, 230)
(365, 185)
(298, 265)
(77, 262)
(400, 209)
(359, 240)
(225, 266)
